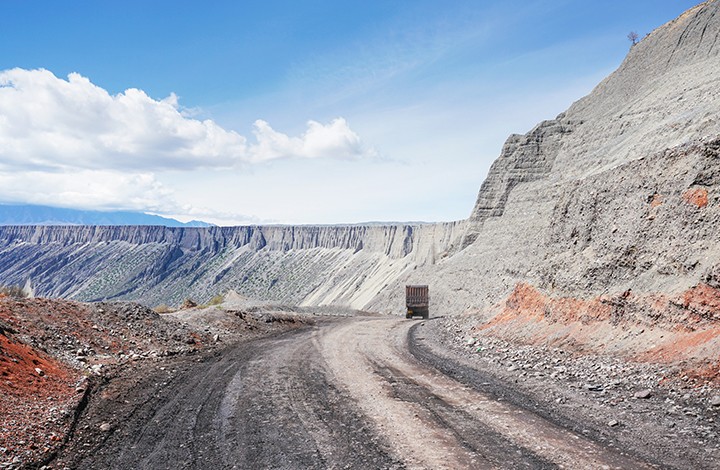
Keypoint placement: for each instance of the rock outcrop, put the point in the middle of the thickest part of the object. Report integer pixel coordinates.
(621, 192)
(307, 265)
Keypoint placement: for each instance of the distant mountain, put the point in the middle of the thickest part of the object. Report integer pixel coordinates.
(27, 214)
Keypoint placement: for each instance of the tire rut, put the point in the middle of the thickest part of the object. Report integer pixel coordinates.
(344, 393)
(266, 403)
(314, 424)
(472, 434)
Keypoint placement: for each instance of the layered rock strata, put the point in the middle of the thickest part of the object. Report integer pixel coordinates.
(317, 265)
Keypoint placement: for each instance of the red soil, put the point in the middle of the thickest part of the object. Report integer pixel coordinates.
(526, 303)
(703, 300)
(56, 336)
(696, 196)
(19, 364)
(35, 391)
(705, 374)
(684, 328)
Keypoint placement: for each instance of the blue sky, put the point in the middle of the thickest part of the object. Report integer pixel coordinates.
(289, 111)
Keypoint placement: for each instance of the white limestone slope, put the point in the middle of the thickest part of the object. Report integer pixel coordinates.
(346, 265)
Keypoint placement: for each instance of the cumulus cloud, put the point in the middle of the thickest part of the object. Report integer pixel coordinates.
(51, 124)
(334, 140)
(69, 142)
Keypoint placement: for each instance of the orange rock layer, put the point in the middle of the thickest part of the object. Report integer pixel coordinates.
(683, 329)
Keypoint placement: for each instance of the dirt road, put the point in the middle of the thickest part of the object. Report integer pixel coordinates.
(345, 393)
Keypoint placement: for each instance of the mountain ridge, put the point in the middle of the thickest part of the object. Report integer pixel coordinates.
(31, 214)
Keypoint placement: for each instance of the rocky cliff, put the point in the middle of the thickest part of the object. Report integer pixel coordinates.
(600, 229)
(308, 265)
(620, 192)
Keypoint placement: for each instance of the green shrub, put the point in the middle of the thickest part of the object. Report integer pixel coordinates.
(217, 300)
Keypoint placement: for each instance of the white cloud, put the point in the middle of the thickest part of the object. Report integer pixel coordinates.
(88, 189)
(334, 140)
(51, 124)
(71, 143)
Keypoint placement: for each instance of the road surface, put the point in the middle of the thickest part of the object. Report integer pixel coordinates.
(344, 393)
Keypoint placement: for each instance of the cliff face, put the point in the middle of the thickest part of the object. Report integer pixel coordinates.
(621, 192)
(318, 265)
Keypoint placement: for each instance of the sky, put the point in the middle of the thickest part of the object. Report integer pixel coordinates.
(287, 111)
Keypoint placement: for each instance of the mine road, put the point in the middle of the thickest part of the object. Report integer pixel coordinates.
(353, 392)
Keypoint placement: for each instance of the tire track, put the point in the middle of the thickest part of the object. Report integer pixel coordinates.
(380, 351)
(470, 434)
(345, 393)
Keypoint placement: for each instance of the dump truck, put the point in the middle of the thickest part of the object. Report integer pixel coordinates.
(417, 301)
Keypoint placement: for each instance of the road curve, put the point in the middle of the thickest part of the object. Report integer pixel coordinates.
(345, 393)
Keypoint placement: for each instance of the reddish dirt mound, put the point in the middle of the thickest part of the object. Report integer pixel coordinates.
(25, 370)
(526, 303)
(683, 329)
(48, 346)
(38, 396)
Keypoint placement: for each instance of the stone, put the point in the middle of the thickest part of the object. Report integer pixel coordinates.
(715, 400)
(612, 423)
(643, 394)
(39, 371)
(105, 427)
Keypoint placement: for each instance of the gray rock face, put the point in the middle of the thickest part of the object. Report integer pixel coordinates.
(600, 199)
(609, 195)
(165, 265)
(523, 159)
(622, 191)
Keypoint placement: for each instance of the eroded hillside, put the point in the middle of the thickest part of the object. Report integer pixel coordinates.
(346, 265)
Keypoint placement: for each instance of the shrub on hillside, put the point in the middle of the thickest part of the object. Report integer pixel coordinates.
(162, 308)
(217, 300)
(188, 303)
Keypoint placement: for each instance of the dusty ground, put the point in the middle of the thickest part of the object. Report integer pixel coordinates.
(675, 424)
(354, 392)
(55, 353)
(241, 386)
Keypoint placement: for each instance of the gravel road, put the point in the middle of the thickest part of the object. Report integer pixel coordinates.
(343, 393)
